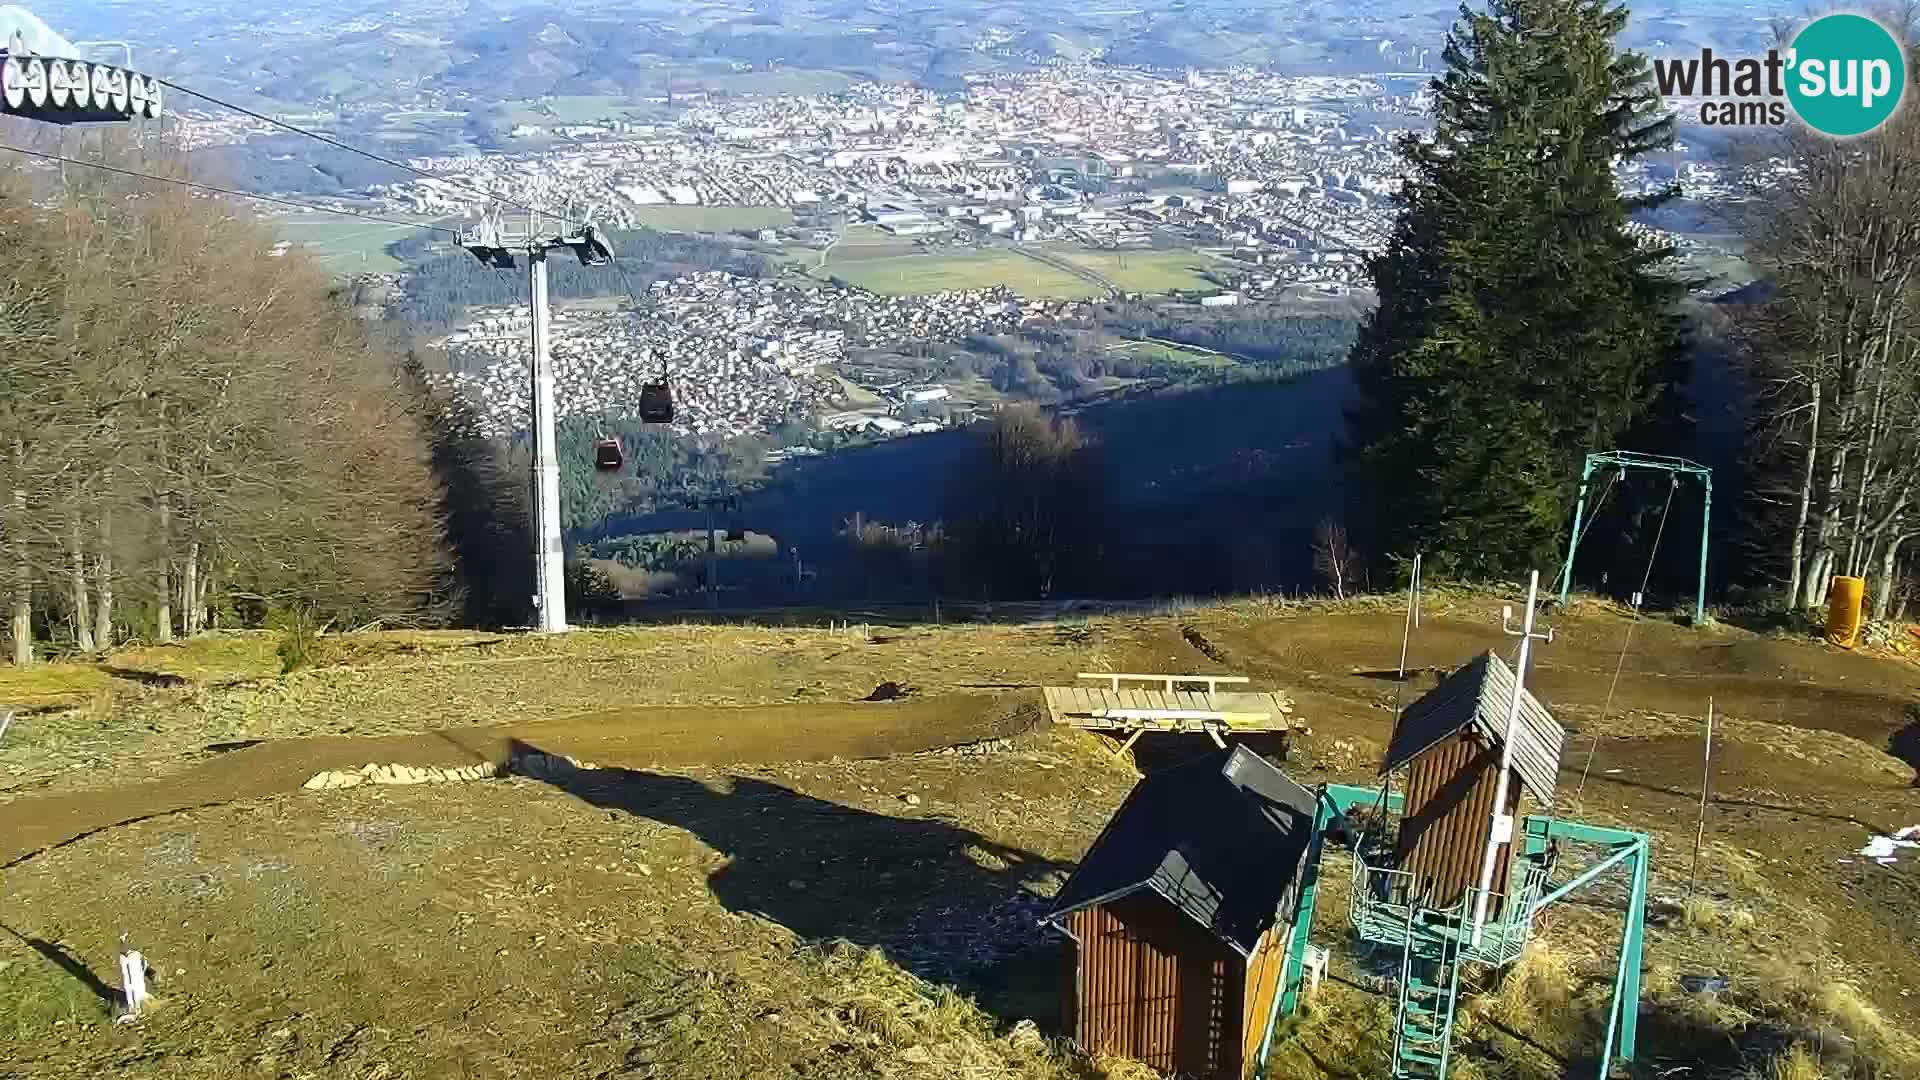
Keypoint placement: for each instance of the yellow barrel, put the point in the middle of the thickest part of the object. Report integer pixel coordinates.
(1844, 598)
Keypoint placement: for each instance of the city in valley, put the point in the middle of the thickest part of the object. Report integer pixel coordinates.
(888, 214)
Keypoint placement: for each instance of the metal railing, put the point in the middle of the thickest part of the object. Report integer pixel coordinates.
(1384, 910)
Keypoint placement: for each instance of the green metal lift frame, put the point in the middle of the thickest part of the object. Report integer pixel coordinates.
(1623, 847)
(1627, 459)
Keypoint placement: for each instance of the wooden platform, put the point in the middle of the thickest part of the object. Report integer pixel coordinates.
(1212, 712)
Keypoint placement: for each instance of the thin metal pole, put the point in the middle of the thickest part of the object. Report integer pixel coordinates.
(1706, 529)
(1406, 632)
(1419, 589)
(549, 585)
(713, 565)
(1706, 786)
(6, 720)
(1502, 821)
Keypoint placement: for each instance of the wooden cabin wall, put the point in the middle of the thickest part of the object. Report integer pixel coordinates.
(1155, 987)
(1448, 815)
(1266, 969)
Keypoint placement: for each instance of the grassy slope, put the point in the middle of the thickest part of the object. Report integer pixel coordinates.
(1813, 944)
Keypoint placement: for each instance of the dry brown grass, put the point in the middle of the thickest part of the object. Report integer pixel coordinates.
(1540, 985)
(1699, 913)
(1797, 1063)
(1800, 996)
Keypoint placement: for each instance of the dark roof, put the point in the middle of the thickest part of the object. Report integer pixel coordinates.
(1222, 838)
(1477, 696)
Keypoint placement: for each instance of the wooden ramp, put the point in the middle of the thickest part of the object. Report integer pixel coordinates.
(1168, 707)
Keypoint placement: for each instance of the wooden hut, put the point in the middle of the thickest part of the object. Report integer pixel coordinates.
(1450, 741)
(1180, 914)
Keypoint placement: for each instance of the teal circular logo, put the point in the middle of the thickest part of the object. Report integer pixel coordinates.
(1846, 74)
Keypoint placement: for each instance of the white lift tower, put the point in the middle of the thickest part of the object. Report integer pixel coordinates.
(494, 244)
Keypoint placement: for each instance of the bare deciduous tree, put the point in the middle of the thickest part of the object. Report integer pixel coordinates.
(1334, 558)
(1837, 353)
(193, 422)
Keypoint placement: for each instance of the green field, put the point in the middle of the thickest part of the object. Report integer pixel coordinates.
(1146, 271)
(577, 109)
(904, 275)
(714, 218)
(1153, 350)
(343, 244)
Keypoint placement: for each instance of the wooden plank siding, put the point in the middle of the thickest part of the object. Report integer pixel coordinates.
(1449, 810)
(1155, 987)
(1265, 969)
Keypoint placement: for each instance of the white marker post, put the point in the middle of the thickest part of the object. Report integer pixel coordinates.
(133, 980)
(1502, 830)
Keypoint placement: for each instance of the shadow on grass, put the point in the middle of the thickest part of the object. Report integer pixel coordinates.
(58, 956)
(938, 899)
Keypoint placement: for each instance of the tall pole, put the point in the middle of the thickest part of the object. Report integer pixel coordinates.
(550, 593)
(1706, 528)
(713, 564)
(1706, 786)
(1573, 542)
(1502, 828)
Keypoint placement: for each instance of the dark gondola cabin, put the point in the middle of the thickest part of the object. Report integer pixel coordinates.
(656, 403)
(1450, 742)
(1180, 916)
(607, 456)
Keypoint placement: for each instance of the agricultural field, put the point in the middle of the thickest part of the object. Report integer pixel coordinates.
(576, 109)
(1179, 270)
(343, 244)
(906, 275)
(658, 880)
(714, 219)
(1173, 354)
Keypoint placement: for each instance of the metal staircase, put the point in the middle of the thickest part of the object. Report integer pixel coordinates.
(1428, 992)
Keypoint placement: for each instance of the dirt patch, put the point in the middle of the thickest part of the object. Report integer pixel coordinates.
(639, 738)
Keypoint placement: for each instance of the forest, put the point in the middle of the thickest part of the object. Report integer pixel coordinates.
(199, 434)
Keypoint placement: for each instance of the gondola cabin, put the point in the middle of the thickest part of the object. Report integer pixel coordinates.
(656, 403)
(1180, 914)
(607, 455)
(1450, 743)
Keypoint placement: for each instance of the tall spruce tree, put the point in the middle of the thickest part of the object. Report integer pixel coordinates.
(1520, 325)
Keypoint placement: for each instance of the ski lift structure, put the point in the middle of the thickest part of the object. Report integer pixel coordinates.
(1468, 749)
(1614, 466)
(499, 245)
(43, 77)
